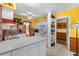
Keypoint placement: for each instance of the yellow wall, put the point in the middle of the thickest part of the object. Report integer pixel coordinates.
(39, 20)
(74, 18)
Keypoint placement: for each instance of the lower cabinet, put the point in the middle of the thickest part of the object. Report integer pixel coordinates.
(36, 49)
(6, 54)
(43, 48)
(21, 52)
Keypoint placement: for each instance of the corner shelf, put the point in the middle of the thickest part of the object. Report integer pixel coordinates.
(53, 30)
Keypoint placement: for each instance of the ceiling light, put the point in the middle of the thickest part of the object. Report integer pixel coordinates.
(29, 13)
(34, 15)
(23, 14)
(30, 17)
(32, 4)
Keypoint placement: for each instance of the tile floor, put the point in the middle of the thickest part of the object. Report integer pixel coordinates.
(59, 50)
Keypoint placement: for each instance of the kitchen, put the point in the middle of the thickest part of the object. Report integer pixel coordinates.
(16, 36)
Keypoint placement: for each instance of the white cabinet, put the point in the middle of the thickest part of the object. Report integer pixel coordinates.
(6, 54)
(43, 48)
(35, 50)
(21, 52)
(27, 49)
(38, 49)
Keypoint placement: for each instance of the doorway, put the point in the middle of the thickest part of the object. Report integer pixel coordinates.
(62, 31)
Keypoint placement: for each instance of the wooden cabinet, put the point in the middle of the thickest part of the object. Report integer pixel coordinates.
(73, 44)
(61, 38)
(61, 25)
(61, 32)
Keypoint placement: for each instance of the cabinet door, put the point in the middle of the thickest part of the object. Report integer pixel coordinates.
(35, 50)
(21, 52)
(6, 54)
(43, 48)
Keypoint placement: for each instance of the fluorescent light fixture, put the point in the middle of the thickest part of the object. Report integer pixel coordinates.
(34, 15)
(30, 17)
(32, 4)
(29, 13)
(23, 14)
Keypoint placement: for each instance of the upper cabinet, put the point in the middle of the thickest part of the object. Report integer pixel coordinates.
(11, 6)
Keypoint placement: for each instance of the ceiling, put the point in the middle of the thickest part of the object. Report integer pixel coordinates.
(41, 9)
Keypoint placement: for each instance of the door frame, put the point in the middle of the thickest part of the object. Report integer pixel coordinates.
(68, 31)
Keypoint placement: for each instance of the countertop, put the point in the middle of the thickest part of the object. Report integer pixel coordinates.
(10, 45)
